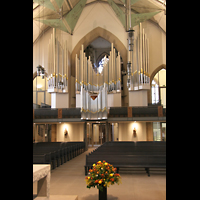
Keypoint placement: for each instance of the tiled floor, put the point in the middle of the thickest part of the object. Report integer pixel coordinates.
(69, 179)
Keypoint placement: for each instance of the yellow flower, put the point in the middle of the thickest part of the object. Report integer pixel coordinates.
(88, 177)
(111, 174)
(106, 163)
(93, 165)
(100, 182)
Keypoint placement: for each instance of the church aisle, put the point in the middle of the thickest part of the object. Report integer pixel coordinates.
(69, 179)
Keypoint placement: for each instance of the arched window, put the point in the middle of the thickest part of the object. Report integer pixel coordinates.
(40, 94)
(102, 62)
(158, 88)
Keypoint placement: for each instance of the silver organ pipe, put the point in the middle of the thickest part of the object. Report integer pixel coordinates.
(93, 86)
(57, 64)
(138, 60)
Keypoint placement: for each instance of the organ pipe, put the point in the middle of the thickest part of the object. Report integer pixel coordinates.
(138, 60)
(93, 86)
(57, 64)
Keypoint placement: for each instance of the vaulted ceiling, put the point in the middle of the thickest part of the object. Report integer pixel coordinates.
(64, 14)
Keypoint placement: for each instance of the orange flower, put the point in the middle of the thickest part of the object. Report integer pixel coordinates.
(96, 181)
(112, 179)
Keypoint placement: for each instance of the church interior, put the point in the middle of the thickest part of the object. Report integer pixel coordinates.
(99, 79)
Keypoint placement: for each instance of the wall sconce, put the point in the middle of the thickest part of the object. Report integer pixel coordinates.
(66, 133)
(134, 132)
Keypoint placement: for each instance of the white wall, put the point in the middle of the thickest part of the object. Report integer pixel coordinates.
(75, 132)
(138, 98)
(114, 99)
(98, 15)
(126, 131)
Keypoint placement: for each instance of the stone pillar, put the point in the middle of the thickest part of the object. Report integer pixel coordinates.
(107, 131)
(85, 136)
(53, 133)
(149, 131)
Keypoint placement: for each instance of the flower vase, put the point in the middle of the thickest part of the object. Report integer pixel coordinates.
(103, 194)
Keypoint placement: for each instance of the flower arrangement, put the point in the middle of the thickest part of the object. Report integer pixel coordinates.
(102, 175)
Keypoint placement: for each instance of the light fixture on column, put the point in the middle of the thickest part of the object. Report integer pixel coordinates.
(130, 56)
(129, 74)
(40, 71)
(130, 39)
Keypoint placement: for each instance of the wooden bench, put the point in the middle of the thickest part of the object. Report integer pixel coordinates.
(46, 147)
(59, 152)
(52, 154)
(130, 155)
(42, 159)
(128, 161)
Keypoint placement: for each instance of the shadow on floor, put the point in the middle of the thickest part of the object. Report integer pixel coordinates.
(96, 197)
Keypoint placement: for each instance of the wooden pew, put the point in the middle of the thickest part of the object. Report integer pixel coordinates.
(52, 155)
(130, 155)
(42, 159)
(59, 152)
(128, 161)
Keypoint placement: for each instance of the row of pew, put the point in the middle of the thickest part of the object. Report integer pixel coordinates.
(130, 155)
(56, 153)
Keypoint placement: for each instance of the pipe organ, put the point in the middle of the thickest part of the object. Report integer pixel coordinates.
(57, 64)
(92, 88)
(138, 61)
(58, 71)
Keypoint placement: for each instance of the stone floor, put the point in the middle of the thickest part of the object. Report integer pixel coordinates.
(69, 179)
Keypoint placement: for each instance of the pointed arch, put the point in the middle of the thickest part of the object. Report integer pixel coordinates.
(101, 56)
(163, 66)
(94, 34)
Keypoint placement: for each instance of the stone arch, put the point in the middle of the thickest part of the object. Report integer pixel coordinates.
(163, 66)
(94, 34)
